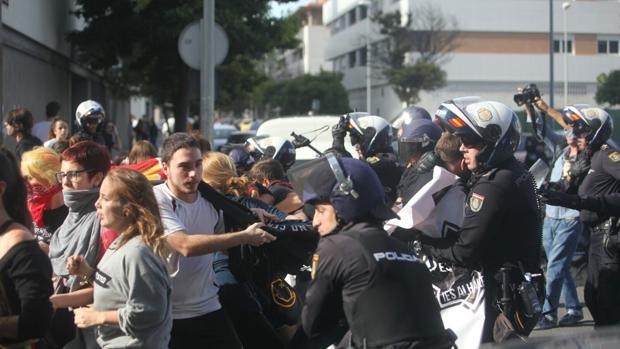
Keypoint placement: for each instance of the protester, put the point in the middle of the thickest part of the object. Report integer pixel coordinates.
(141, 151)
(25, 271)
(83, 168)
(59, 130)
(198, 317)
(111, 138)
(239, 298)
(352, 273)
(270, 174)
(131, 284)
(45, 199)
(18, 124)
(40, 129)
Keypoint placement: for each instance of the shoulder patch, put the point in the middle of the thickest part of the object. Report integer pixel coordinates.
(476, 201)
(315, 264)
(614, 156)
(372, 160)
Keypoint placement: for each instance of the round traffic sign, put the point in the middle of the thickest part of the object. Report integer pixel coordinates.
(191, 40)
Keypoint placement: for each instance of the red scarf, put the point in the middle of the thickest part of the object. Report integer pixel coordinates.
(39, 200)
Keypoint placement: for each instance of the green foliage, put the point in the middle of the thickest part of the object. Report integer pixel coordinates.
(295, 96)
(426, 34)
(608, 89)
(408, 80)
(134, 45)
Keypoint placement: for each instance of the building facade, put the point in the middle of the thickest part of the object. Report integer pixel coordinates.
(309, 56)
(501, 45)
(38, 64)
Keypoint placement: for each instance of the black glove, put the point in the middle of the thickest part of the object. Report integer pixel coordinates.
(339, 131)
(558, 198)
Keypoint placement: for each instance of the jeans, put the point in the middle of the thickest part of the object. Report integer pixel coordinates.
(560, 237)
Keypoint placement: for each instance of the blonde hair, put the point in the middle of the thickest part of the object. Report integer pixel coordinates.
(42, 164)
(219, 171)
(136, 193)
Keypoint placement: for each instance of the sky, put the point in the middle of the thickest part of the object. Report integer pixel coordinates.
(281, 10)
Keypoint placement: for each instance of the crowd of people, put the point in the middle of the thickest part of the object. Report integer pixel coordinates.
(183, 247)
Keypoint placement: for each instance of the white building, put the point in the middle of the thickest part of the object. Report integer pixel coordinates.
(38, 64)
(502, 45)
(309, 57)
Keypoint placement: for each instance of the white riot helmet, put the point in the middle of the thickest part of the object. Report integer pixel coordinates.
(373, 133)
(492, 126)
(277, 148)
(87, 111)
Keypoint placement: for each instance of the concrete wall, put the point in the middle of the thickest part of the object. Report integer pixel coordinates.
(37, 66)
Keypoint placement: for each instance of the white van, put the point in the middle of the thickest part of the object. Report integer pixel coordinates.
(315, 128)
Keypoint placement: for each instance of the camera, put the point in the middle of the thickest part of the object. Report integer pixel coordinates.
(527, 95)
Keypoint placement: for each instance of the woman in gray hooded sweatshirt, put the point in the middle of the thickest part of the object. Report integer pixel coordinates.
(132, 288)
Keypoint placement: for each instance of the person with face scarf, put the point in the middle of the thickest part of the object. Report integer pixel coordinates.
(45, 200)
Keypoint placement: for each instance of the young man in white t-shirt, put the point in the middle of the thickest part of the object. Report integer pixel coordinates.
(190, 222)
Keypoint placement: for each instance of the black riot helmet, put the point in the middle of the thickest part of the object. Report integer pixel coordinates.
(418, 136)
(348, 184)
(492, 126)
(592, 122)
(372, 133)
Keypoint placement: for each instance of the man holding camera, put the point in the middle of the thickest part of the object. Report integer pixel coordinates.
(562, 227)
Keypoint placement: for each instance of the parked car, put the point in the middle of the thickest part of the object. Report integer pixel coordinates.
(221, 133)
(235, 139)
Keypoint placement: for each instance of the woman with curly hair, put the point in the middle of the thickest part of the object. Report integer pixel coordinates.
(132, 288)
(59, 131)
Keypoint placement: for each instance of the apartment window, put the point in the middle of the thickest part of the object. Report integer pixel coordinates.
(352, 59)
(352, 17)
(558, 46)
(363, 56)
(613, 46)
(363, 12)
(609, 46)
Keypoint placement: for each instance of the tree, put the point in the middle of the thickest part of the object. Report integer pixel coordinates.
(134, 45)
(296, 96)
(608, 89)
(416, 45)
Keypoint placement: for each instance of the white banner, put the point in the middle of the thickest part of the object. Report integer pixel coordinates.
(437, 210)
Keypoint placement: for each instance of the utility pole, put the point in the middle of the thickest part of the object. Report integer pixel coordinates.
(551, 82)
(207, 70)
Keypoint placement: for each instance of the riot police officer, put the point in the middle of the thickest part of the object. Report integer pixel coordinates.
(502, 222)
(383, 290)
(89, 115)
(593, 127)
(372, 138)
(416, 151)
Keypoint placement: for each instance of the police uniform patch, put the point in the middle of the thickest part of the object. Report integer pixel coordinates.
(315, 262)
(614, 156)
(372, 160)
(484, 114)
(475, 202)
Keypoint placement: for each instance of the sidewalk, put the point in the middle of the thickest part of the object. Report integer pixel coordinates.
(587, 325)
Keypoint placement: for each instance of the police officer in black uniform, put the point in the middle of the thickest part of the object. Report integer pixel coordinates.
(502, 222)
(383, 290)
(597, 200)
(416, 146)
(372, 138)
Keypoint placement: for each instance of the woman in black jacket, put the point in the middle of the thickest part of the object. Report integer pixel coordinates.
(25, 271)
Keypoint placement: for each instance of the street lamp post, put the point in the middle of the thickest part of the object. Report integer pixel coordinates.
(368, 67)
(565, 6)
